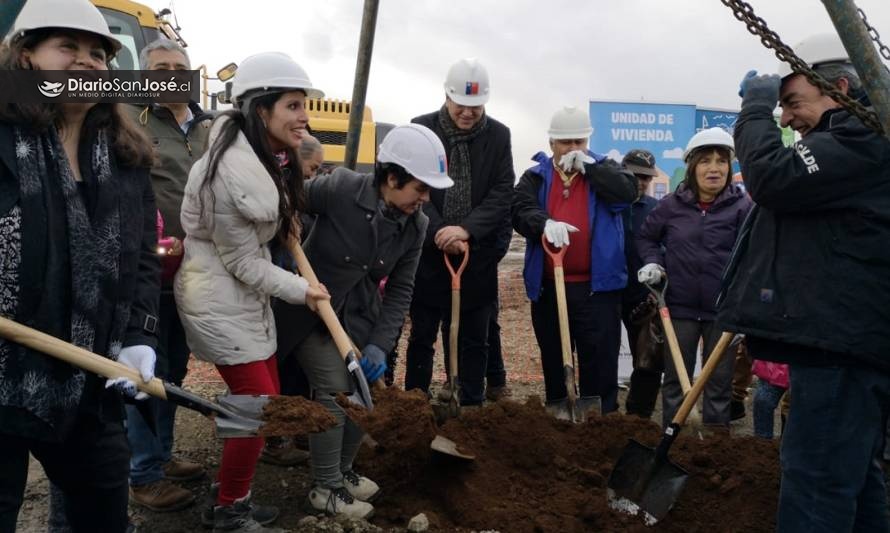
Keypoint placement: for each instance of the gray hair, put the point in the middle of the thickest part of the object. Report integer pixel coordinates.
(162, 44)
(832, 72)
(308, 147)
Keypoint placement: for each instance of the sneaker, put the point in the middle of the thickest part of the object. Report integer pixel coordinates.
(337, 502)
(736, 410)
(360, 487)
(261, 514)
(279, 451)
(180, 470)
(494, 393)
(236, 518)
(161, 496)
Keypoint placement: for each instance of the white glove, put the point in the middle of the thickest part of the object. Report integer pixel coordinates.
(650, 274)
(557, 233)
(140, 358)
(575, 160)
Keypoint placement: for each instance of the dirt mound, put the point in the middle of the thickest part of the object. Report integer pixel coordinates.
(294, 415)
(535, 473)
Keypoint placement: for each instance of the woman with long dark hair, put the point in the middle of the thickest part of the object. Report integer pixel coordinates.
(78, 262)
(241, 195)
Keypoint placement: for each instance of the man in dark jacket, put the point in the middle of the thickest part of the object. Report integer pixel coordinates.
(584, 194)
(809, 285)
(472, 213)
(637, 307)
(179, 135)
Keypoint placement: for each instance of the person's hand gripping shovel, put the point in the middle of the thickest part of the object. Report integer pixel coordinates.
(645, 481)
(230, 421)
(573, 408)
(658, 287)
(362, 394)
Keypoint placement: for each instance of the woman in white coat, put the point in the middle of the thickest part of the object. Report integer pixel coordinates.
(239, 197)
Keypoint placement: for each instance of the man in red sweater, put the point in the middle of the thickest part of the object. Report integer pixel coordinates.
(575, 199)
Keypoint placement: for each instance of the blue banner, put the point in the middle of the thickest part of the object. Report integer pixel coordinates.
(715, 118)
(663, 129)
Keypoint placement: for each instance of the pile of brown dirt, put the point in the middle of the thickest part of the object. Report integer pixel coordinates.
(536, 473)
(294, 415)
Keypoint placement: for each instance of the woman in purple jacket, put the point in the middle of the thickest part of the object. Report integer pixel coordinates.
(688, 237)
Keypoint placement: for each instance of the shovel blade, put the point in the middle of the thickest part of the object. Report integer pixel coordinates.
(642, 483)
(362, 390)
(448, 447)
(583, 407)
(242, 415)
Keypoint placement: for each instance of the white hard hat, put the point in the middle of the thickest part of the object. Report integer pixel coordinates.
(419, 151)
(816, 50)
(467, 83)
(271, 71)
(570, 123)
(710, 137)
(78, 15)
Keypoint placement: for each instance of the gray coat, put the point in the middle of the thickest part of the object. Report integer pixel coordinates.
(352, 247)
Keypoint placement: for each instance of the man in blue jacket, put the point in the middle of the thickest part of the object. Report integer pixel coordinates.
(583, 194)
(809, 285)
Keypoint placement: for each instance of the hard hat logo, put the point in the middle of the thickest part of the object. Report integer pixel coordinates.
(467, 83)
(443, 166)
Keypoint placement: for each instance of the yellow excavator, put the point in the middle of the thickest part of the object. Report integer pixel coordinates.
(136, 25)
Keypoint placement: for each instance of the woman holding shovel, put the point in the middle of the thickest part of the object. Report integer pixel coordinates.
(368, 226)
(238, 199)
(688, 237)
(77, 261)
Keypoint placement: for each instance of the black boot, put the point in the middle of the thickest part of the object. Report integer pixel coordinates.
(238, 516)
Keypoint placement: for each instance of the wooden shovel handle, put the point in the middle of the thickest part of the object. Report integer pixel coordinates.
(699, 386)
(556, 254)
(456, 274)
(49, 345)
(674, 345)
(326, 311)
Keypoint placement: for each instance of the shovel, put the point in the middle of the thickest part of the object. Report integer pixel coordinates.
(671, 337)
(362, 394)
(453, 408)
(645, 481)
(574, 408)
(239, 417)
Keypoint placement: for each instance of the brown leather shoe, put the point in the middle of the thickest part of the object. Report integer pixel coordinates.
(280, 451)
(181, 470)
(161, 496)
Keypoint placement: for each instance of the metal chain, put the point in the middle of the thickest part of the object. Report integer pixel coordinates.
(875, 36)
(770, 39)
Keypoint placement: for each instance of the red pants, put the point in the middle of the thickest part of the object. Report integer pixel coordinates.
(240, 455)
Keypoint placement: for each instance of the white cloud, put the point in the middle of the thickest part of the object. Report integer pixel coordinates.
(674, 153)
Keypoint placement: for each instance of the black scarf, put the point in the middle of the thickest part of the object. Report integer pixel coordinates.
(458, 198)
(72, 257)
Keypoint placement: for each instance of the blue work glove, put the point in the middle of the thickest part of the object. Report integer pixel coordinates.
(750, 74)
(760, 89)
(373, 362)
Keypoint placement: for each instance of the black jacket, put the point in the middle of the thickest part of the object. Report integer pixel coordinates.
(491, 161)
(351, 248)
(811, 269)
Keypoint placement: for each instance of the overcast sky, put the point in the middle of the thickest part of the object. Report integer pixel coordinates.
(540, 55)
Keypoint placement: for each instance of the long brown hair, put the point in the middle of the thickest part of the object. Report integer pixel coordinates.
(131, 146)
(695, 158)
(288, 178)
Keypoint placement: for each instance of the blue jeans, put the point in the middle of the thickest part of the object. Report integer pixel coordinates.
(766, 398)
(831, 475)
(149, 452)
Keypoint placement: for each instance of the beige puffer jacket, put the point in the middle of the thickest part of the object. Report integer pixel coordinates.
(224, 285)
